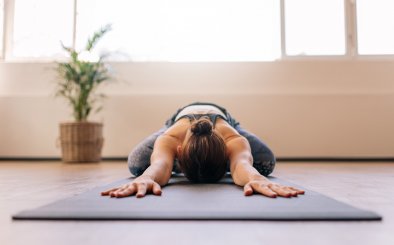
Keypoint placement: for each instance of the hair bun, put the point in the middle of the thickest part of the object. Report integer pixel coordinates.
(202, 126)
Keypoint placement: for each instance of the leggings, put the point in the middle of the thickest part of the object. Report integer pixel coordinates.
(263, 158)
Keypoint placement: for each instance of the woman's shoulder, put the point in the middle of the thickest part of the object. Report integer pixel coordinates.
(226, 130)
(178, 129)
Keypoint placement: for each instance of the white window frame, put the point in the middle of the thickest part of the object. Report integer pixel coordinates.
(2, 34)
(9, 6)
(7, 28)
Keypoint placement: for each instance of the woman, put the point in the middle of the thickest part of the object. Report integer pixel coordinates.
(203, 141)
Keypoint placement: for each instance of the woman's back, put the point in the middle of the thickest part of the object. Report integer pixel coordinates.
(200, 109)
(185, 117)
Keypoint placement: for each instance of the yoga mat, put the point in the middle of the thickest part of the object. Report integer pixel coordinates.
(182, 200)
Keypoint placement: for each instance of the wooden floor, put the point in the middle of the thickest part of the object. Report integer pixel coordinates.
(25, 185)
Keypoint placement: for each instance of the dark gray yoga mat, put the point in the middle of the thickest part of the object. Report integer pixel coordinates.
(182, 200)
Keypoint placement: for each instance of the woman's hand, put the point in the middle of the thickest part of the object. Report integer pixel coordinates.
(270, 189)
(140, 187)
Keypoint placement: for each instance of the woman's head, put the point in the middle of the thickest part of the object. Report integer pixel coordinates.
(202, 156)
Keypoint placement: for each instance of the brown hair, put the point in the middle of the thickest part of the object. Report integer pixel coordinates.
(203, 155)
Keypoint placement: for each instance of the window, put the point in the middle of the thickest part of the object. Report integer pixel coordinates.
(178, 30)
(315, 27)
(40, 25)
(375, 27)
(197, 30)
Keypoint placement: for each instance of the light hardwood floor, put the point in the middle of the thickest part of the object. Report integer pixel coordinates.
(25, 185)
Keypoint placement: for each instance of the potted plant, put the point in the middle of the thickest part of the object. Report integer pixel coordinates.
(80, 77)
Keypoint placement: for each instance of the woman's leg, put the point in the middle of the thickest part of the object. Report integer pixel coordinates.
(263, 158)
(139, 158)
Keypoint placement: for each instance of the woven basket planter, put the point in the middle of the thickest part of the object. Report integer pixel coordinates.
(81, 141)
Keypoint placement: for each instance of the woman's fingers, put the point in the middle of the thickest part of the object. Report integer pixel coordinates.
(292, 192)
(271, 189)
(281, 190)
(141, 189)
(106, 193)
(156, 189)
(151, 187)
(299, 192)
(286, 191)
(130, 190)
(248, 190)
(138, 188)
(265, 190)
(116, 192)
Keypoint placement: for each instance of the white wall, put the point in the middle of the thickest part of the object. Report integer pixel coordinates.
(309, 108)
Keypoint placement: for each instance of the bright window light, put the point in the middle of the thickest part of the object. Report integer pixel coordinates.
(375, 27)
(179, 30)
(1, 26)
(40, 25)
(315, 27)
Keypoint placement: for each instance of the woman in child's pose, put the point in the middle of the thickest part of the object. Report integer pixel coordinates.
(203, 141)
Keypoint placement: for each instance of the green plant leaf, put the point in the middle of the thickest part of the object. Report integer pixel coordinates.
(80, 79)
(92, 41)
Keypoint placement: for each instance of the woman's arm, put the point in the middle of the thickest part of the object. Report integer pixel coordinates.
(244, 174)
(162, 159)
(156, 175)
